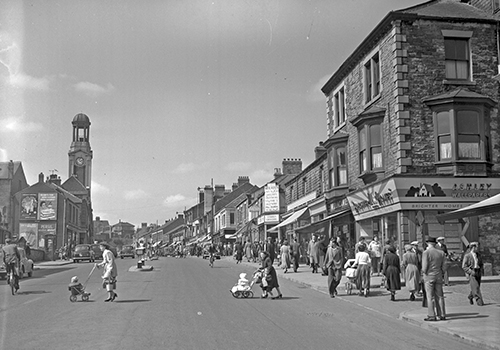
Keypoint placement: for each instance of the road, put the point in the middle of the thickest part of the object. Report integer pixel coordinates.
(185, 304)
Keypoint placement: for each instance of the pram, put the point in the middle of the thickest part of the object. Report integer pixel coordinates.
(80, 290)
(239, 291)
(350, 273)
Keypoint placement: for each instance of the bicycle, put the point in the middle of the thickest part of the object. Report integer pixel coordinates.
(13, 280)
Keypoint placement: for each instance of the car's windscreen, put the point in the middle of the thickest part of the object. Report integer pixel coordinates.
(81, 248)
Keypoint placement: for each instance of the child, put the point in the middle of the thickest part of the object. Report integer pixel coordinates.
(242, 284)
(75, 287)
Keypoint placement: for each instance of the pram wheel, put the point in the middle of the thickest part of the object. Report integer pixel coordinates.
(234, 294)
(85, 297)
(248, 294)
(72, 298)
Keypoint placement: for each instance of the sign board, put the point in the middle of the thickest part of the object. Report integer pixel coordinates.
(271, 198)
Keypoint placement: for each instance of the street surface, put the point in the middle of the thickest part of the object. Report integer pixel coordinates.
(185, 304)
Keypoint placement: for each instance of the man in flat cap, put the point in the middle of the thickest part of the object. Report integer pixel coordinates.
(473, 267)
(440, 245)
(433, 271)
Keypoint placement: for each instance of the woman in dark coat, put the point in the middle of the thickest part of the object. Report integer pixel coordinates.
(392, 271)
(270, 279)
(238, 251)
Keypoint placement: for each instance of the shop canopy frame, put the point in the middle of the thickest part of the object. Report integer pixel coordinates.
(322, 225)
(299, 214)
(486, 206)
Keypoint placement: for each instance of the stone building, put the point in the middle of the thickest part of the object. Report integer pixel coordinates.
(413, 126)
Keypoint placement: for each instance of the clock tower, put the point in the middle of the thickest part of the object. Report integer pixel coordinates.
(80, 153)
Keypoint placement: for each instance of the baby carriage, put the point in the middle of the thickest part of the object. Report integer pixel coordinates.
(350, 273)
(77, 289)
(244, 290)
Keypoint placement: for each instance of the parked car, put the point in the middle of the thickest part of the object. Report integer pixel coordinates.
(127, 251)
(97, 251)
(26, 265)
(83, 252)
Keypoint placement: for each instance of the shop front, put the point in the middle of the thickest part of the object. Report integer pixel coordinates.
(406, 209)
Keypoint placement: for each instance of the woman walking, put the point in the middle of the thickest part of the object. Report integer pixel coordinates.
(362, 263)
(375, 249)
(248, 251)
(270, 279)
(410, 267)
(110, 271)
(285, 256)
(392, 271)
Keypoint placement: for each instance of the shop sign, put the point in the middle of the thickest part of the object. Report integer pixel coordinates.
(271, 198)
(433, 193)
(272, 218)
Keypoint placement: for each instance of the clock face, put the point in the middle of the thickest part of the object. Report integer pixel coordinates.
(80, 161)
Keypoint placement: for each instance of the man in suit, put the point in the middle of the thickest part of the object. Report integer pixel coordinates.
(473, 266)
(333, 264)
(295, 251)
(433, 269)
(440, 245)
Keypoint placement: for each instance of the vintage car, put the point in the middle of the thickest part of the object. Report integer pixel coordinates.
(127, 251)
(83, 252)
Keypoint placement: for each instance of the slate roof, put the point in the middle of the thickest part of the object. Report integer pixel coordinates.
(224, 201)
(448, 9)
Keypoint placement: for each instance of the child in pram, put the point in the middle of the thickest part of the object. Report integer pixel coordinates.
(76, 289)
(242, 288)
(350, 273)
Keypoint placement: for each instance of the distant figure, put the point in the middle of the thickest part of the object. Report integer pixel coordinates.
(473, 268)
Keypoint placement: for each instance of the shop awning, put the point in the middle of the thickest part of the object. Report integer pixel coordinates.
(487, 206)
(292, 218)
(321, 227)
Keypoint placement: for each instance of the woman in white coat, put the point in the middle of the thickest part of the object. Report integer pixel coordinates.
(110, 270)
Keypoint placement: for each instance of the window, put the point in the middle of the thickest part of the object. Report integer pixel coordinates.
(339, 108)
(371, 72)
(370, 147)
(337, 162)
(231, 218)
(462, 131)
(457, 58)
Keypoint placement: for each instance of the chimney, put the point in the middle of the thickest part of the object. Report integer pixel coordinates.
(319, 150)
(209, 199)
(243, 180)
(97, 218)
(11, 170)
(201, 196)
(54, 179)
(219, 191)
(277, 172)
(40, 178)
(144, 224)
(235, 186)
(180, 216)
(291, 166)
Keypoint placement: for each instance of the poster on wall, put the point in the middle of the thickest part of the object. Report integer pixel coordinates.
(44, 229)
(47, 207)
(30, 233)
(271, 198)
(29, 206)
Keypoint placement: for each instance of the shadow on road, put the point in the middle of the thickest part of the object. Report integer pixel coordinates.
(132, 301)
(29, 292)
(458, 316)
(42, 273)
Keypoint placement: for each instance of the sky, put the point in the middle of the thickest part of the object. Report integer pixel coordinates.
(180, 93)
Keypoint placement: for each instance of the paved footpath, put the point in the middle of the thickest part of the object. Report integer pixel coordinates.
(478, 325)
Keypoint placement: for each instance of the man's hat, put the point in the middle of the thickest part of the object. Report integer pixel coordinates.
(474, 244)
(431, 240)
(414, 243)
(7, 240)
(440, 239)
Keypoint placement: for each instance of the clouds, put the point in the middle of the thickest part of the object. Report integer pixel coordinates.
(99, 189)
(178, 201)
(92, 89)
(18, 125)
(315, 94)
(238, 166)
(135, 194)
(185, 168)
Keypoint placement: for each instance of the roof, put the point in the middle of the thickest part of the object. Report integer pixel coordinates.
(81, 120)
(4, 169)
(448, 9)
(460, 94)
(432, 10)
(228, 198)
(74, 185)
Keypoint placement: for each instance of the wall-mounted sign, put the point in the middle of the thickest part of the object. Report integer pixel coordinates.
(271, 198)
(429, 193)
(47, 206)
(29, 206)
(30, 233)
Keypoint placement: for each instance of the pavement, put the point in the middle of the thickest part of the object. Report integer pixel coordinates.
(477, 325)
